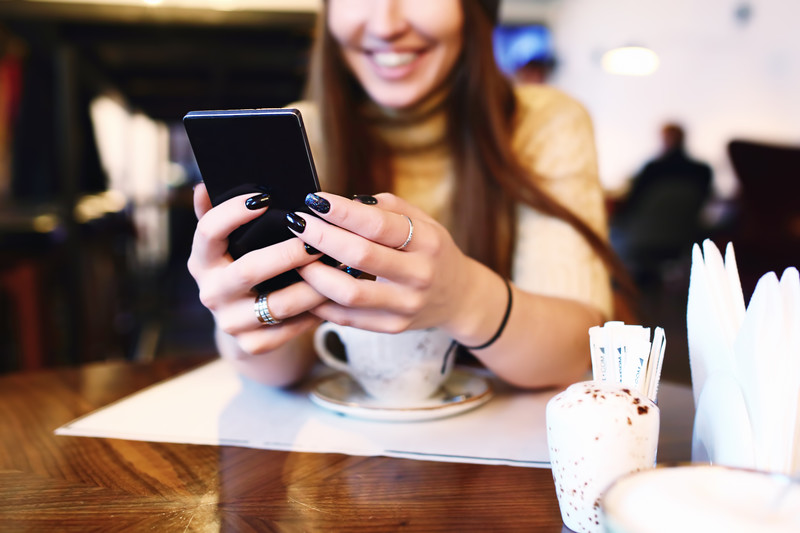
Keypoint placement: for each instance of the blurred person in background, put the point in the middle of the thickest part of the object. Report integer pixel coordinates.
(659, 219)
(524, 53)
(475, 205)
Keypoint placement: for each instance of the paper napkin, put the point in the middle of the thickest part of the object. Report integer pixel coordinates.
(745, 364)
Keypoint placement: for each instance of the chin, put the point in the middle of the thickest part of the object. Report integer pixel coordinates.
(396, 99)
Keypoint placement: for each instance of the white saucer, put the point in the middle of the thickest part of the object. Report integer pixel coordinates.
(464, 390)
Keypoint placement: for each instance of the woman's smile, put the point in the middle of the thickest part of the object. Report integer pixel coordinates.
(395, 64)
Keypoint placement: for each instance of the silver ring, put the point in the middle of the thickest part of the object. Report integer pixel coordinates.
(262, 311)
(410, 233)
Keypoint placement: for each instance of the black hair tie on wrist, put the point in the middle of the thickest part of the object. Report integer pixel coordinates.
(502, 324)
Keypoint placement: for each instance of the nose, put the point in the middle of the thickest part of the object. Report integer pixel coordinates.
(387, 19)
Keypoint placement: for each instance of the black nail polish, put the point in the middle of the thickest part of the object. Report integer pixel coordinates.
(330, 261)
(295, 222)
(310, 250)
(257, 202)
(366, 199)
(318, 203)
(350, 270)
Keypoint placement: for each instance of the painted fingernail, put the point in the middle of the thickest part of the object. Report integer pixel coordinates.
(295, 222)
(330, 261)
(257, 202)
(318, 203)
(310, 250)
(366, 199)
(350, 270)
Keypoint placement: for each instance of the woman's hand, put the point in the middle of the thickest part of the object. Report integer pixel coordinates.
(430, 282)
(226, 285)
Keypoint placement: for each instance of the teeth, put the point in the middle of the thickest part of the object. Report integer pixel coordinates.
(393, 59)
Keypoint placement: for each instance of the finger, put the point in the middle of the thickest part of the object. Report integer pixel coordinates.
(339, 287)
(242, 275)
(265, 339)
(283, 304)
(334, 285)
(215, 226)
(390, 202)
(389, 228)
(202, 202)
(369, 319)
(368, 256)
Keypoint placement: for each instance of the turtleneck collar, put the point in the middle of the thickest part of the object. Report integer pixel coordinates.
(412, 129)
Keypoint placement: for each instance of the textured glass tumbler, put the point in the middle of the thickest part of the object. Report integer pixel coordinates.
(596, 432)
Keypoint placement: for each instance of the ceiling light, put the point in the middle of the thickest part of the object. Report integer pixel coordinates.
(630, 61)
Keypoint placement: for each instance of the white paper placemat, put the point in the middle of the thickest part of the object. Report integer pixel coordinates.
(214, 405)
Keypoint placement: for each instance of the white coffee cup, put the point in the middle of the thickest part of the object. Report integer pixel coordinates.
(596, 432)
(394, 368)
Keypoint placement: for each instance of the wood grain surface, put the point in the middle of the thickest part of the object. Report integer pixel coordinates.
(59, 483)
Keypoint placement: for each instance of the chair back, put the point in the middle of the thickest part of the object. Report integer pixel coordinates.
(769, 176)
(767, 237)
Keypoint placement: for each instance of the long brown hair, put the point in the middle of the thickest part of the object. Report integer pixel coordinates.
(491, 179)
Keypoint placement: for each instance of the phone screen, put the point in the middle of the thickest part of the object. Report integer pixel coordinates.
(252, 151)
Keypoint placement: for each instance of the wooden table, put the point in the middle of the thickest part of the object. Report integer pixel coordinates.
(50, 482)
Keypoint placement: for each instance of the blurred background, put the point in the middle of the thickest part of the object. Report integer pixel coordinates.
(695, 109)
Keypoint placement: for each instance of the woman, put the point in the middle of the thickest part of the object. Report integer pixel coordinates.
(491, 185)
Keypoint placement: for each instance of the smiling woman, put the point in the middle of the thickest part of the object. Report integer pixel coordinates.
(478, 207)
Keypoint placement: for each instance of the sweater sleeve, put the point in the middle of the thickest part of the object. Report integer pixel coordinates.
(555, 139)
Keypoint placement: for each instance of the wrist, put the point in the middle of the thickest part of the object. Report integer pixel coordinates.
(503, 322)
(483, 310)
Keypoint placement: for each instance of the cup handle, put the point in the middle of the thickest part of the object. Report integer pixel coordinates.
(327, 357)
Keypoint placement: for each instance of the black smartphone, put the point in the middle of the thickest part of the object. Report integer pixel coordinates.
(250, 151)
